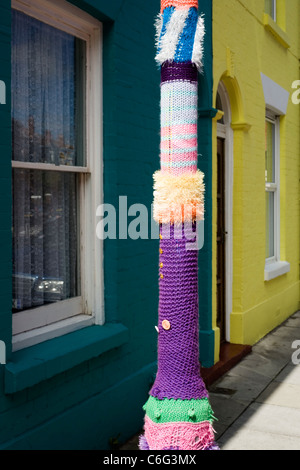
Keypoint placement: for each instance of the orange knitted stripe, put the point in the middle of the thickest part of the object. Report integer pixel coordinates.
(178, 4)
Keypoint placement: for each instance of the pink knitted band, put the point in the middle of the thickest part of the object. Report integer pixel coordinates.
(182, 144)
(180, 435)
(178, 4)
(179, 130)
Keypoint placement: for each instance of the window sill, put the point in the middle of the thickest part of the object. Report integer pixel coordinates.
(276, 269)
(43, 361)
(276, 31)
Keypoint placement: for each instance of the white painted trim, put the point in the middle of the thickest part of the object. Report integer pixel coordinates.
(30, 338)
(49, 167)
(276, 269)
(93, 282)
(275, 10)
(275, 188)
(60, 14)
(46, 314)
(276, 97)
(225, 131)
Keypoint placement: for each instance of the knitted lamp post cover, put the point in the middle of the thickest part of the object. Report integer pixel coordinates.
(178, 412)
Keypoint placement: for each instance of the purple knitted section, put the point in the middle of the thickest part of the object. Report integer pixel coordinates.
(178, 374)
(213, 447)
(143, 444)
(185, 71)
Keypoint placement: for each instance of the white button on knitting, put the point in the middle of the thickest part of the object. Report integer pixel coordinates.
(166, 324)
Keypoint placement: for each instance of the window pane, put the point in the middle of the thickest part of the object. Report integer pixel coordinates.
(45, 238)
(48, 67)
(270, 152)
(270, 246)
(270, 8)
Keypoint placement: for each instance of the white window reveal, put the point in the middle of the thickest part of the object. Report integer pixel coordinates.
(57, 170)
(276, 100)
(270, 8)
(272, 188)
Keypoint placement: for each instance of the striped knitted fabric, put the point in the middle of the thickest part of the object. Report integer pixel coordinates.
(178, 4)
(179, 115)
(178, 415)
(179, 36)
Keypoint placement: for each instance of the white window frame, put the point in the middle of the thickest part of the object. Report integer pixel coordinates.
(274, 187)
(36, 325)
(274, 16)
(276, 103)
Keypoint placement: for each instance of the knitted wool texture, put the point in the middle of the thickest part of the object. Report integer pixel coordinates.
(178, 374)
(179, 115)
(167, 411)
(178, 414)
(178, 4)
(186, 71)
(179, 36)
(178, 199)
(178, 436)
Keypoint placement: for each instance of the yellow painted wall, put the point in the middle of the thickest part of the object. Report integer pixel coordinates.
(243, 48)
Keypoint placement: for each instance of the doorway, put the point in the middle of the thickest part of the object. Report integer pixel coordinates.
(224, 214)
(221, 238)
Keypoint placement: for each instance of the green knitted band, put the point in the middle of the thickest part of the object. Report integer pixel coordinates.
(170, 411)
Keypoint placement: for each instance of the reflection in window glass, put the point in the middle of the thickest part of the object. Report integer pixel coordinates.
(270, 8)
(270, 248)
(45, 239)
(270, 152)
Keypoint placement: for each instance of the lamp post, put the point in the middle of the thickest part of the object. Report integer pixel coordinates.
(178, 414)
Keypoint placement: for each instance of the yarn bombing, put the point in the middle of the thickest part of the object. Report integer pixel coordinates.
(178, 4)
(179, 36)
(178, 415)
(178, 197)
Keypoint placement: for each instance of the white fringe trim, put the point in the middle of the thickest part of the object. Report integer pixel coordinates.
(169, 41)
(178, 198)
(198, 43)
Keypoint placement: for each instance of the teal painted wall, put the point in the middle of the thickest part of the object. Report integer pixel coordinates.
(102, 397)
(205, 93)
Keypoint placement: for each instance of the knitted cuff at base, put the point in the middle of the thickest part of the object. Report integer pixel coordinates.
(179, 436)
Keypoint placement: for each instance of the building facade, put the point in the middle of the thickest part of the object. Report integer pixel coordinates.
(79, 117)
(81, 123)
(255, 167)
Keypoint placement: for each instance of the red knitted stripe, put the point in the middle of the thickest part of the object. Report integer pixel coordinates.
(178, 4)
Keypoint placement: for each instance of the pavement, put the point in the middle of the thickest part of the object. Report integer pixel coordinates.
(257, 403)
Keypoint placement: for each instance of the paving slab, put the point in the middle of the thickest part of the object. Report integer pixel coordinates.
(277, 346)
(290, 374)
(243, 389)
(226, 410)
(269, 419)
(281, 394)
(250, 439)
(266, 366)
(241, 370)
(294, 321)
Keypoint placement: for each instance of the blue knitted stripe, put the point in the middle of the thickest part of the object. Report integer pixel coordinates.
(179, 164)
(184, 50)
(180, 151)
(166, 18)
